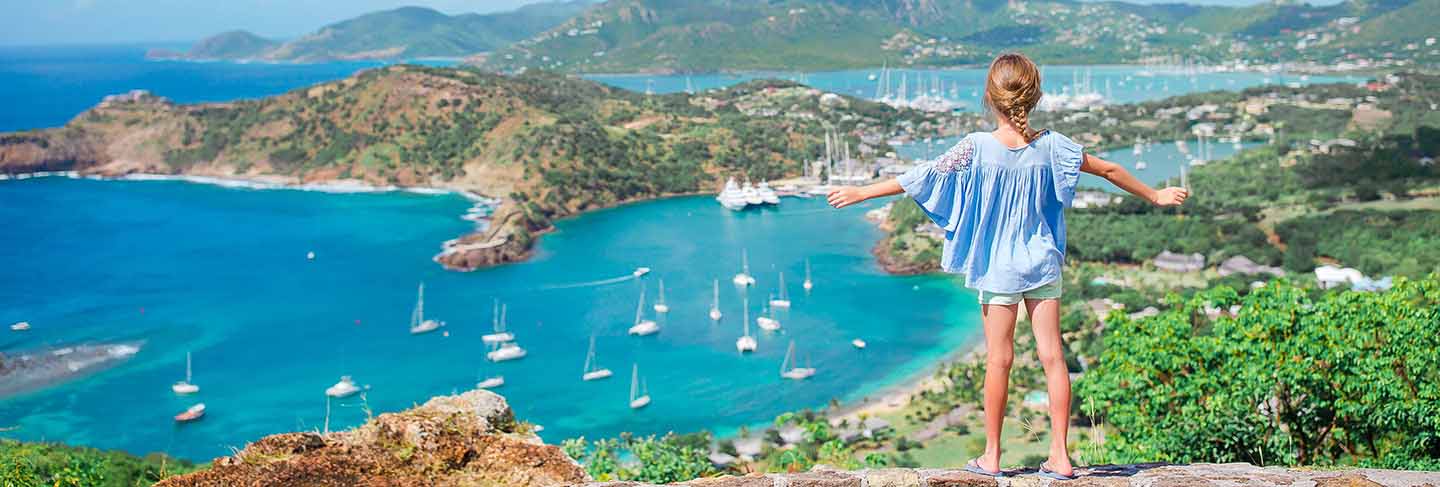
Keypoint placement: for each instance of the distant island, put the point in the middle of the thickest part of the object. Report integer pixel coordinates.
(402, 33)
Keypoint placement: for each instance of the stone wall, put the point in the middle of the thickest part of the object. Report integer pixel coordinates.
(1150, 475)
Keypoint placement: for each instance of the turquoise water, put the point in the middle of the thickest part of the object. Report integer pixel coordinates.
(222, 272)
(1120, 84)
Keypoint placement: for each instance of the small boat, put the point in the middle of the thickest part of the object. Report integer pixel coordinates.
(794, 373)
(746, 343)
(660, 306)
(194, 413)
(642, 326)
(497, 323)
(858, 343)
(185, 387)
(715, 314)
(506, 351)
(639, 398)
(491, 382)
(21, 326)
(345, 388)
(1141, 165)
(593, 370)
(418, 323)
(744, 278)
(310, 255)
(784, 300)
(640, 271)
(808, 284)
(768, 323)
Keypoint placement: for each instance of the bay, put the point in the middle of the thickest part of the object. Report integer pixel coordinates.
(222, 273)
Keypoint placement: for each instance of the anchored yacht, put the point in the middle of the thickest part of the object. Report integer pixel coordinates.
(794, 373)
(345, 388)
(418, 323)
(642, 326)
(593, 370)
(497, 322)
(185, 387)
(639, 398)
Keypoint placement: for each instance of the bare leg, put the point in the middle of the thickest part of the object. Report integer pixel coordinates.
(1045, 321)
(999, 354)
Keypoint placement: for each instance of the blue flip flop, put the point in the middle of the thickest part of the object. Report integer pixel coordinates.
(1051, 474)
(975, 468)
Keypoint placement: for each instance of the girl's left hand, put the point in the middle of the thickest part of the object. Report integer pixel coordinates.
(845, 196)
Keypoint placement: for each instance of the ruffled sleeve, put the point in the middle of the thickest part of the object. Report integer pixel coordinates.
(1065, 158)
(935, 185)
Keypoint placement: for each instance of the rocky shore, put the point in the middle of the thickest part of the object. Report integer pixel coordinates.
(471, 439)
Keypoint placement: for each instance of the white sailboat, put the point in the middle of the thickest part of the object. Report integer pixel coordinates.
(506, 351)
(418, 323)
(491, 382)
(660, 306)
(744, 278)
(784, 300)
(497, 322)
(768, 323)
(593, 370)
(642, 326)
(746, 343)
(639, 398)
(808, 283)
(345, 388)
(185, 387)
(794, 373)
(715, 304)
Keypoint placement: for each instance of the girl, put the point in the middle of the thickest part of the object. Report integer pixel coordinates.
(1000, 197)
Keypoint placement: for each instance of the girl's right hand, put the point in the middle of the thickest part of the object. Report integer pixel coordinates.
(845, 196)
(1171, 196)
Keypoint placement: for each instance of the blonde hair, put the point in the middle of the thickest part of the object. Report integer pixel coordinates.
(1012, 89)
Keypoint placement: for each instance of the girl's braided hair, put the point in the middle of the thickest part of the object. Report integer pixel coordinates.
(1012, 90)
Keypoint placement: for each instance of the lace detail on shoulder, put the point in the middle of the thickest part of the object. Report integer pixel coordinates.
(958, 158)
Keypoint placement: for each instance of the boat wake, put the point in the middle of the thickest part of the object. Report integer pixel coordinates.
(601, 282)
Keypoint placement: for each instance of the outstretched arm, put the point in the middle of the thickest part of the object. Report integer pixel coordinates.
(1118, 176)
(848, 195)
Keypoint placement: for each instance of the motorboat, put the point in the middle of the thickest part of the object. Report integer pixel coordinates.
(858, 343)
(640, 271)
(344, 388)
(491, 382)
(193, 413)
(20, 326)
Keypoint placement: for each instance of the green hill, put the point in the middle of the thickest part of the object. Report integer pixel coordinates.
(402, 33)
(718, 35)
(231, 45)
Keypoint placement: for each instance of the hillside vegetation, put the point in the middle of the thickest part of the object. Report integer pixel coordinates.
(717, 35)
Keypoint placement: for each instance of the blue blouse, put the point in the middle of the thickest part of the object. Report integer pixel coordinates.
(1002, 208)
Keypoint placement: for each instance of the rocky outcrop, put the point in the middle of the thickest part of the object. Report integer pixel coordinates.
(1148, 475)
(471, 439)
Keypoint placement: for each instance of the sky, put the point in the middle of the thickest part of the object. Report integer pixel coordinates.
(39, 22)
(35, 22)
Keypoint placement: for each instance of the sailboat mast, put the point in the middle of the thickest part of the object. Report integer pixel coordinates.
(640, 305)
(789, 352)
(504, 308)
(716, 300)
(590, 355)
(746, 306)
(187, 367)
(634, 380)
(782, 285)
(745, 261)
